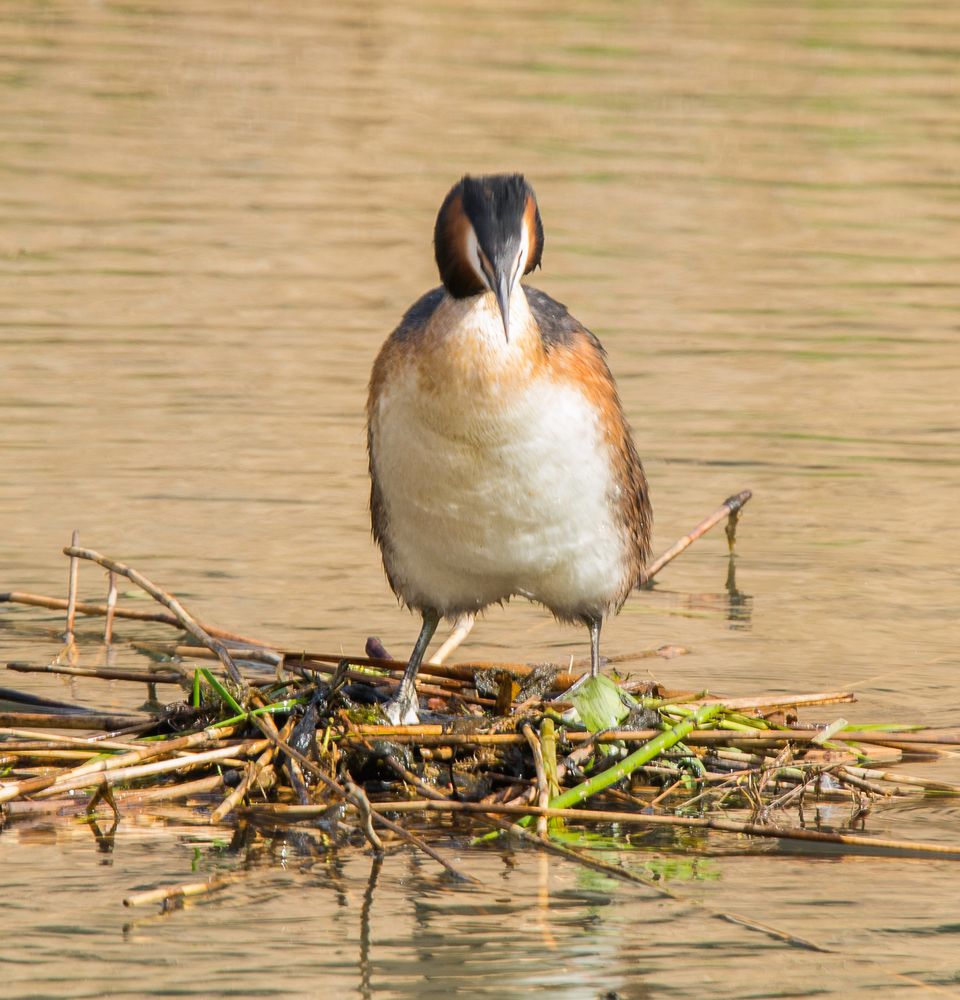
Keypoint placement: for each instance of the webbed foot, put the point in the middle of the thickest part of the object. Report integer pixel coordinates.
(402, 708)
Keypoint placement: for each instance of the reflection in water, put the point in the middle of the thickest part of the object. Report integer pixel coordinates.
(105, 841)
(739, 604)
(213, 216)
(365, 914)
(730, 604)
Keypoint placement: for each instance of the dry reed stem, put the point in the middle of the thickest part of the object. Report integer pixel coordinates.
(100, 673)
(773, 701)
(254, 771)
(665, 794)
(846, 778)
(232, 800)
(167, 600)
(452, 686)
(183, 890)
(254, 654)
(73, 577)
(111, 606)
(455, 671)
(293, 660)
(58, 739)
(30, 786)
(771, 738)
(116, 775)
(131, 614)
(462, 674)
(74, 720)
(449, 686)
(732, 505)
(543, 792)
(134, 797)
(67, 806)
(904, 779)
(180, 790)
(17, 757)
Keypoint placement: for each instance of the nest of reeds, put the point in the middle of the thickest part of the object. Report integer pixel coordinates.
(275, 740)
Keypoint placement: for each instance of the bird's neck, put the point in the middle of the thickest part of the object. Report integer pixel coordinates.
(470, 330)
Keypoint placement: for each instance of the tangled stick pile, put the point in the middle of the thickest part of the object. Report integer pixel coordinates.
(274, 740)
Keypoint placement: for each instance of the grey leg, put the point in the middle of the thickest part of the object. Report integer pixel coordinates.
(401, 710)
(594, 625)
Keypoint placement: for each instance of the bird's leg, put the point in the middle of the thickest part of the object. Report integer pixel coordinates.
(401, 709)
(594, 625)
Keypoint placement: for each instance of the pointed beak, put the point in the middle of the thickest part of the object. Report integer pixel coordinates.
(503, 301)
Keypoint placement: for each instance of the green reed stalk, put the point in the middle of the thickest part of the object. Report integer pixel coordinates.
(643, 755)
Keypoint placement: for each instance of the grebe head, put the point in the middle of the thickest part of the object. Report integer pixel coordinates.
(488, 234)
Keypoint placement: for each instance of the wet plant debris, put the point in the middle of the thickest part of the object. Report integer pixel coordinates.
(276, 741)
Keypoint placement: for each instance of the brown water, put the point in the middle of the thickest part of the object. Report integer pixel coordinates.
(213, 215)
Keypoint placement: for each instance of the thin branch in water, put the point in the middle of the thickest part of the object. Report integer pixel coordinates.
(729, 508)
(167, 600)
(72, 580)
(168, 894)
(161, 676)
(111, 606)
(99, 610)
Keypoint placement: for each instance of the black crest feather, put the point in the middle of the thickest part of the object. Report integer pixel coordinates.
(495, 206)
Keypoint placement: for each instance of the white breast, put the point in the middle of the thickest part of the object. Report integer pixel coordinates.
(496, 487)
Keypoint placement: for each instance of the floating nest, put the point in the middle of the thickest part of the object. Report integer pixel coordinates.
(274, 740)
